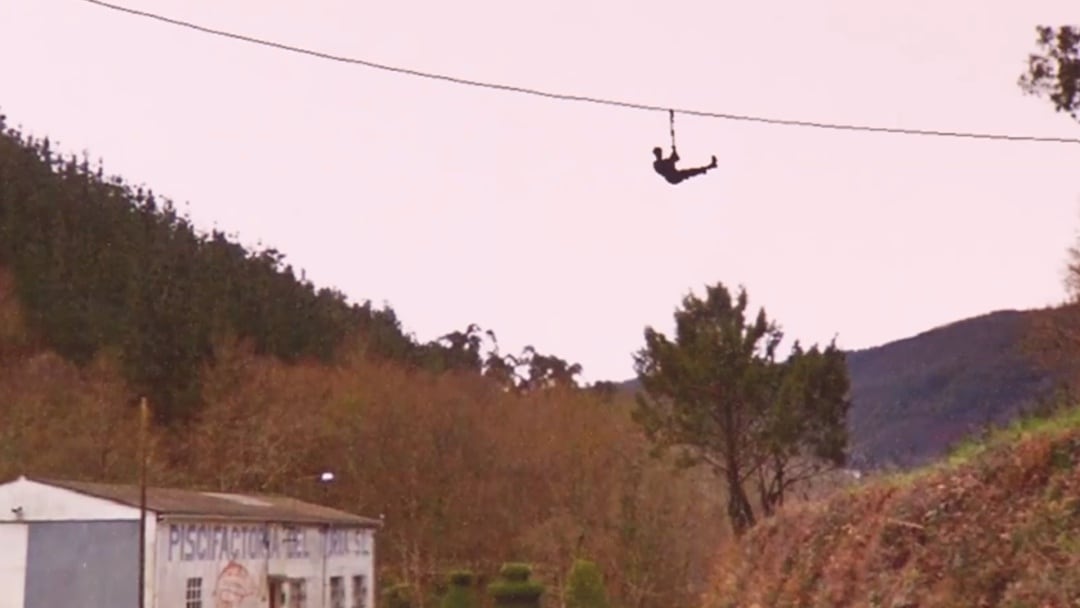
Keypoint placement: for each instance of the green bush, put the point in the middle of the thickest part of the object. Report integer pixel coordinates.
(514, 571)
(463, 578)
(460, 592)
(514, 589)
(585, 587)
(397, 596)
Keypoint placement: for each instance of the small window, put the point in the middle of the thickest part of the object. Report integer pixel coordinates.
(359, 592)
(337, 592)
(298, 593)
(193, 593)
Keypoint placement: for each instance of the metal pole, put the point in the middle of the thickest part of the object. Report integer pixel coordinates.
(144, 416)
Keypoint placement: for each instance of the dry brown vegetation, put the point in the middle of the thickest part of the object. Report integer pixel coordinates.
(999, 525)
(467, 475)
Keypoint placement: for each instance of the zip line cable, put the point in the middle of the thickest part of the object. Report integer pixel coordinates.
(582, 98)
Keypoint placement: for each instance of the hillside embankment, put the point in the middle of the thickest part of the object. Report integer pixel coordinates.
(997, 524)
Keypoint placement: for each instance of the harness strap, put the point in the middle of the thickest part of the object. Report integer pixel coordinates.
(671, 116)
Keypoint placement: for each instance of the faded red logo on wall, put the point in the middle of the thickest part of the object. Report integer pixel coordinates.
(235, 587)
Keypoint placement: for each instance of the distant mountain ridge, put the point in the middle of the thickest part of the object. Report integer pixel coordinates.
(913, 398)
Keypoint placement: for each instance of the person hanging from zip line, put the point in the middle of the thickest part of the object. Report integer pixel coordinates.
(666, 166)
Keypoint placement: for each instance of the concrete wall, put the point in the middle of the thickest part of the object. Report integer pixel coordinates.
(233, 561)
(82, 563)
(39, 502)
(12, 564)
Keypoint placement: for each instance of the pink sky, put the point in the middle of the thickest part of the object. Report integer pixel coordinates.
(542, 219)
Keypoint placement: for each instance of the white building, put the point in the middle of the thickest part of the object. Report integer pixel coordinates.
(65, 543)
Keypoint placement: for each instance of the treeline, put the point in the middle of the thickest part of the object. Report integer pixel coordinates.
(102, 265)
(468, 475)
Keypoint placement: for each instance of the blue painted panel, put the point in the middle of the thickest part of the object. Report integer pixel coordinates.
(91, 563)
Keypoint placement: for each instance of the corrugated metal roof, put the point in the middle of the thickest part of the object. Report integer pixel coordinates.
(192, 503)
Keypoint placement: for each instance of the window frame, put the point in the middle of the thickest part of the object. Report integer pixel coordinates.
(359, 591)
(193, 592)
(298, 593)
(337, 600)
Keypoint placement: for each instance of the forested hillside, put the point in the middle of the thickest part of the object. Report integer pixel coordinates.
(914, 398)
(466, 474)
(261, 380)
(101, 264)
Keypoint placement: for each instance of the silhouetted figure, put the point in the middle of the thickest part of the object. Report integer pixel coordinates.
(666, 166)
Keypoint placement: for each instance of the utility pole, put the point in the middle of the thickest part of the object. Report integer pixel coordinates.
(144, 420)
(326, 478)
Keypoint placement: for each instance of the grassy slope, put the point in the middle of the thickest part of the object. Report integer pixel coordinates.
(996, 524)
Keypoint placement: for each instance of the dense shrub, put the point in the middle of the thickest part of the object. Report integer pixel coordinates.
(585, 587)
(514, 589)
(397, 596)
(460, 592)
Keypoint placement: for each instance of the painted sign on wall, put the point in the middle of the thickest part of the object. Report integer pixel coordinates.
(236, 588)
(221, 542)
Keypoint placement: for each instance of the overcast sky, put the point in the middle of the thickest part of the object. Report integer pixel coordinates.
(542, 219)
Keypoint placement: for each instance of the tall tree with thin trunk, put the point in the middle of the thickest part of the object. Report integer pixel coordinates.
(705, 391)
(805, 434)
(716, 395)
